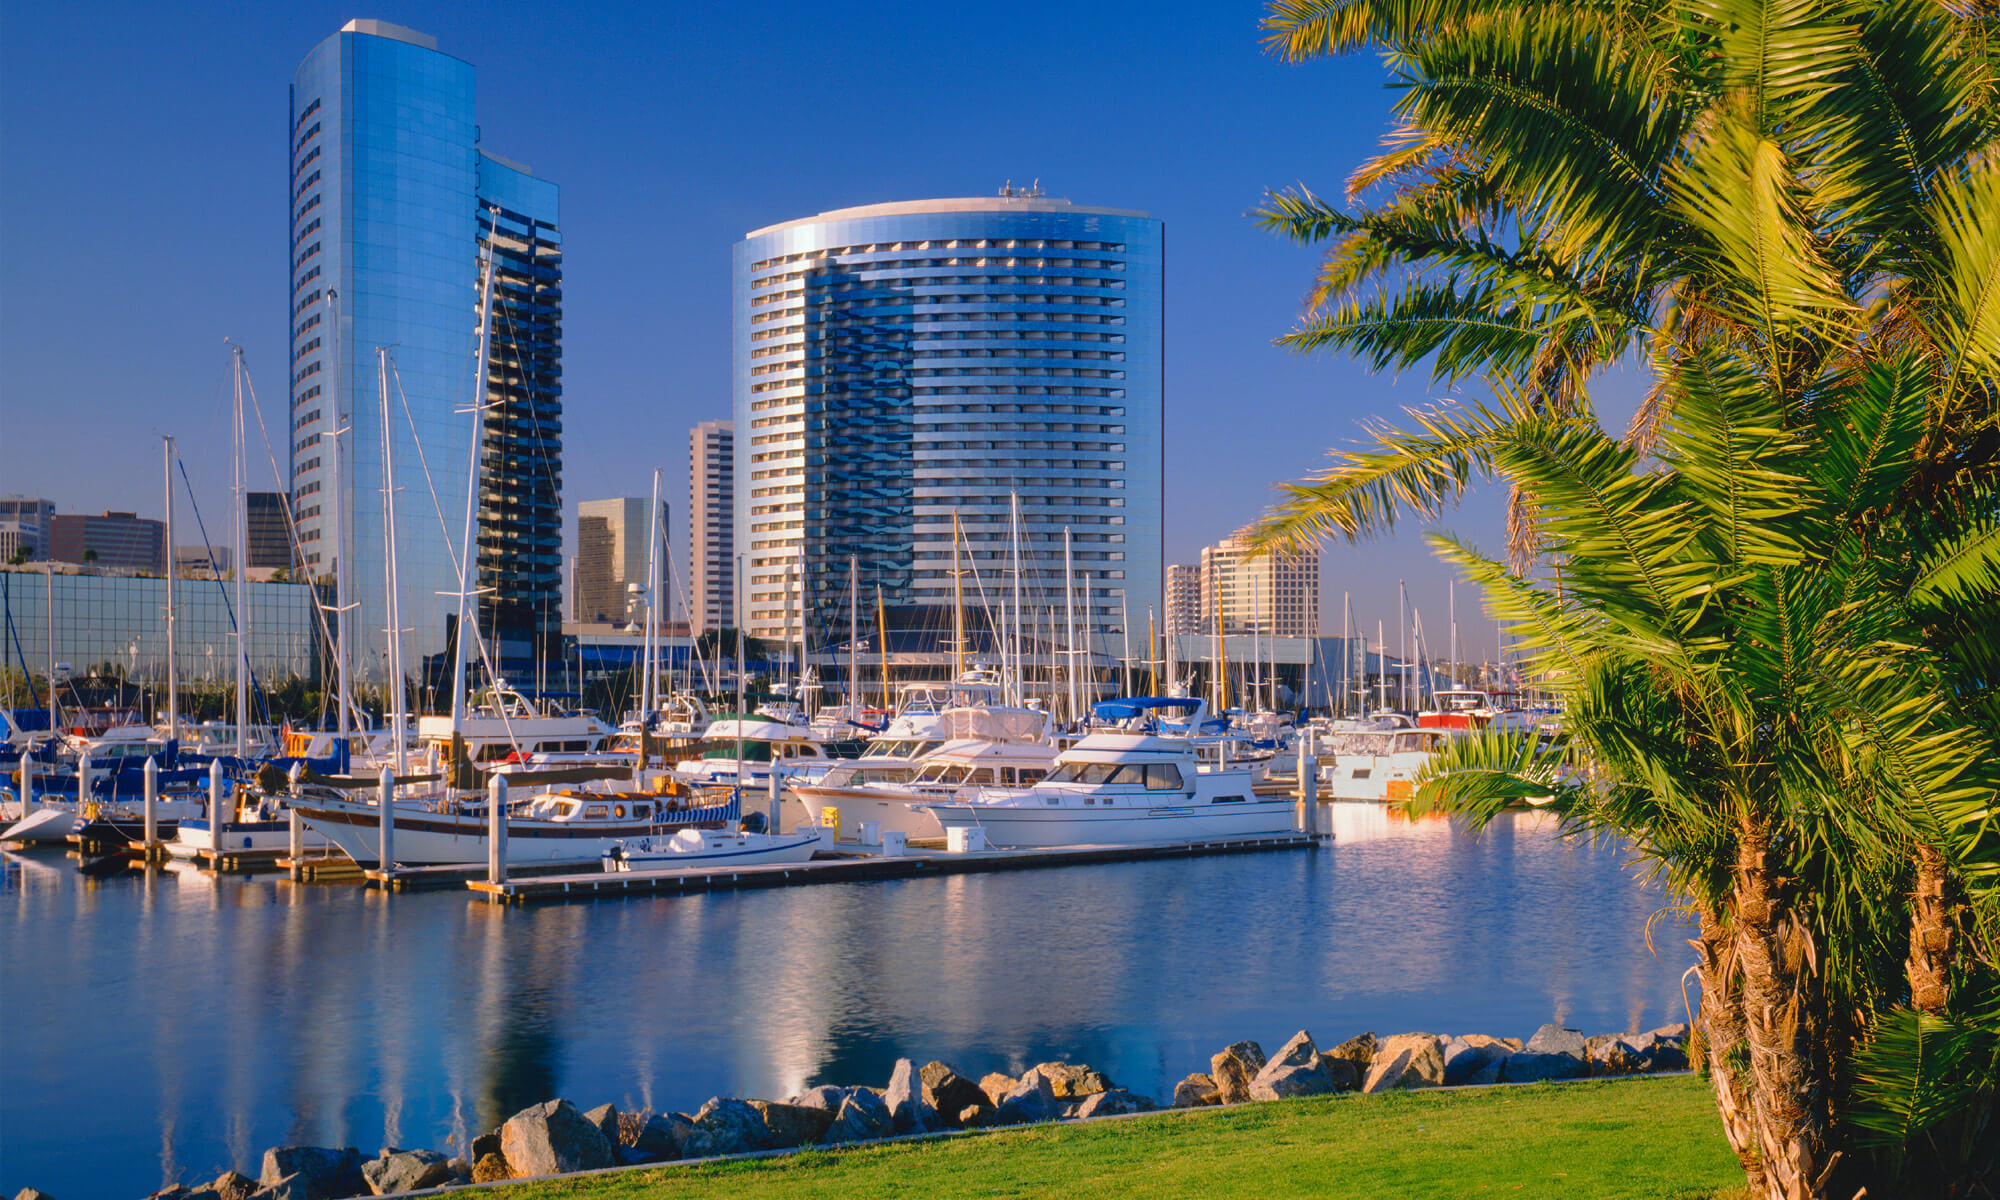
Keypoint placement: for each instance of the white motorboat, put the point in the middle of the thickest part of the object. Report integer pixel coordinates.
(692, 848)
(1122, 788)
(48, 823)
(987, 748)
(260, 823)
(506, 723)
(1379, 764)
(560, 826)
(743, 751)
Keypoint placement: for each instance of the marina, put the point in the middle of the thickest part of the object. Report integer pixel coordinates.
(207, 1016)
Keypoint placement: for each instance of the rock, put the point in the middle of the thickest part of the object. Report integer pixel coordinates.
(1196, 1091)
(605, 1117)
(461, 1171)
(489, 1168)
(996, 1086)
(862, 1116)
(1234, 1068)
(407, 1171)
(975, 1116)
(1654, 1052)
(793, 1124)
(233, 1185)
(1032, 1099)
(1113, 1102)
(200, 1193)
(1474, 1058)
(1528, 1066)
(483, 1145)
(325, 1174)
(727, 1127)
(950, 1093)
(661, 1138)
(827, 1097)
(1554, 1039)
(1677, 1032)
(1072, 1081)
(1295, 1071)
(905, 1098)
(1359, 1051)
(1608, 1054)
(28, 1193)
(552, 1138)
(290, 1187)
(1407, 1060)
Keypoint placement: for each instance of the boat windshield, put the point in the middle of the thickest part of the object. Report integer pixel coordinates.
(899, 748)
(753, 751)
(1097, 773)
(1365, 745)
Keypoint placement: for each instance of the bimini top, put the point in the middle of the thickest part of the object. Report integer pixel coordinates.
(1128, 707)
(1124, 746)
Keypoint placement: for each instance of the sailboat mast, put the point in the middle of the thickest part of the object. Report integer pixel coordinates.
(650, 694)
(957, 605)
(882, 648)
(468, 570)
(1125, 637)
(1221, 666)
(337, 531)
(854, 705)
(1152, 664)
(741, 715)
(1256, 646)
(1403, 644)
(1451, 615)
(397, 721)
(805, 697)
(1014, 514)
(242, 526)
(1069, 604)
(173, 642)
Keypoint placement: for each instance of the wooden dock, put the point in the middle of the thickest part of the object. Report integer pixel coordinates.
(583, 885)
(427, 879)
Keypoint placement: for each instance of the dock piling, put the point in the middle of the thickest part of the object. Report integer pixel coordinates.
(296, 843)
(496, 824)
(83, 782)
(386, 850)
(777, 794)
(217, 823)
(1308, 783)
(27, 785)
(152, 778)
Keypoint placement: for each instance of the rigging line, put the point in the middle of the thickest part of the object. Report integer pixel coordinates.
(209, 546)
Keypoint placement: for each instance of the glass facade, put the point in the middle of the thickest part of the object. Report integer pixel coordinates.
(121, 620)
(900, 364)
(390, 200)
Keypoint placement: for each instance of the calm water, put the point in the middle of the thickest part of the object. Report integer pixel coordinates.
(159, 1027)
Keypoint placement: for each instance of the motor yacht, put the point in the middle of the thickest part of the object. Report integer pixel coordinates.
(983, 748)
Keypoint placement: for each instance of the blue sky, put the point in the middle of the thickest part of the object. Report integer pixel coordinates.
(142, 218)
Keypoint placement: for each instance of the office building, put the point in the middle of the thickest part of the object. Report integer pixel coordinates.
(206, 561)
(25, 528)
(396, 207)
(611, 556)
(899, 364)
(270, 544)
(1271, 594)
(711, 525)
(1183, 603)
(112, 539)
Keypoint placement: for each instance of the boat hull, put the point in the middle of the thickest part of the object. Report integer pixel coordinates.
(1023, 828)
(194, 837)
(789, 848)
(431, 839)
(43, 825)
(895, 810)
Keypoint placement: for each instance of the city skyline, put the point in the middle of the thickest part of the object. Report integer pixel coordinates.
(647, 280)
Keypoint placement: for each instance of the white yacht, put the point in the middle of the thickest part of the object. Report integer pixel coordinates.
(1376, 764)
(506, 723)
(1122, 788)
(692, 848)
(983, 748)
(739, 750)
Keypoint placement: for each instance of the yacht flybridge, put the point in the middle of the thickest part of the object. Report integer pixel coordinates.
(1120, 787)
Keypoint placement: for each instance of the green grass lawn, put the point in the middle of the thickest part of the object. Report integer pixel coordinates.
(1651, 1138)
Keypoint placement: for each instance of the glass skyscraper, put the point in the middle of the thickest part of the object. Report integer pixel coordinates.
(899, 364)
(393, 207)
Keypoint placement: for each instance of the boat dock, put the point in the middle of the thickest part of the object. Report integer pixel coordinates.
(847, 868)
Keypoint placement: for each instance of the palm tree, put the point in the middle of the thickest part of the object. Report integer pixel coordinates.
(1793, 212)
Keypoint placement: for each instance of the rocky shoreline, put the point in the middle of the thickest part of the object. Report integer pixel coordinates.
(557, 1138)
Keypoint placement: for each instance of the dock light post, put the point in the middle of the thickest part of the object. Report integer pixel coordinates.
(216, 821)
(152, 777)
(386, 851)
(496, 830)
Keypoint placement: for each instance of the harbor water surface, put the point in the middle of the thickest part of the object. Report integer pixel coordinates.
(161, 1026)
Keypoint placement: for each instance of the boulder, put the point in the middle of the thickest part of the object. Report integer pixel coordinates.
(605, 1117)
(1554, 1039)
(290, 1187)
(489, 1168)
(1341, 1074)
(908, 1109)
(552, 1138)
(1234, 1068)
(1358, 1050)
(793, 1124)
(325, 1173)
(862, 1116)
(233, 1185)
(1114, 1102)
(1528, 1066)
(827, 1097)
(28, 1193)
(1072, 1081)
(975, 1116)
(660, 1139)
(1032, 1099)
(1294, 1071)
(483, 1145)
(1196, 1091)
(1407, 1060)
(461, 1171)
(950, 1093)
(407, 1171)
(1654, 1052)
(727, 1127)
(1609, 1054)
(1473, 1058)
(996, 1086)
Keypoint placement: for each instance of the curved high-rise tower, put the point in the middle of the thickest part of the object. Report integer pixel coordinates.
(901, 363)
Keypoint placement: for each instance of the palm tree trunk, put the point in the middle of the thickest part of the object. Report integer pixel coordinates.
(1932, 926)
(1784, 1024)
(1722, 1042)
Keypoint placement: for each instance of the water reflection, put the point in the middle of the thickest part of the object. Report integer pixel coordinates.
(213, 1017)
